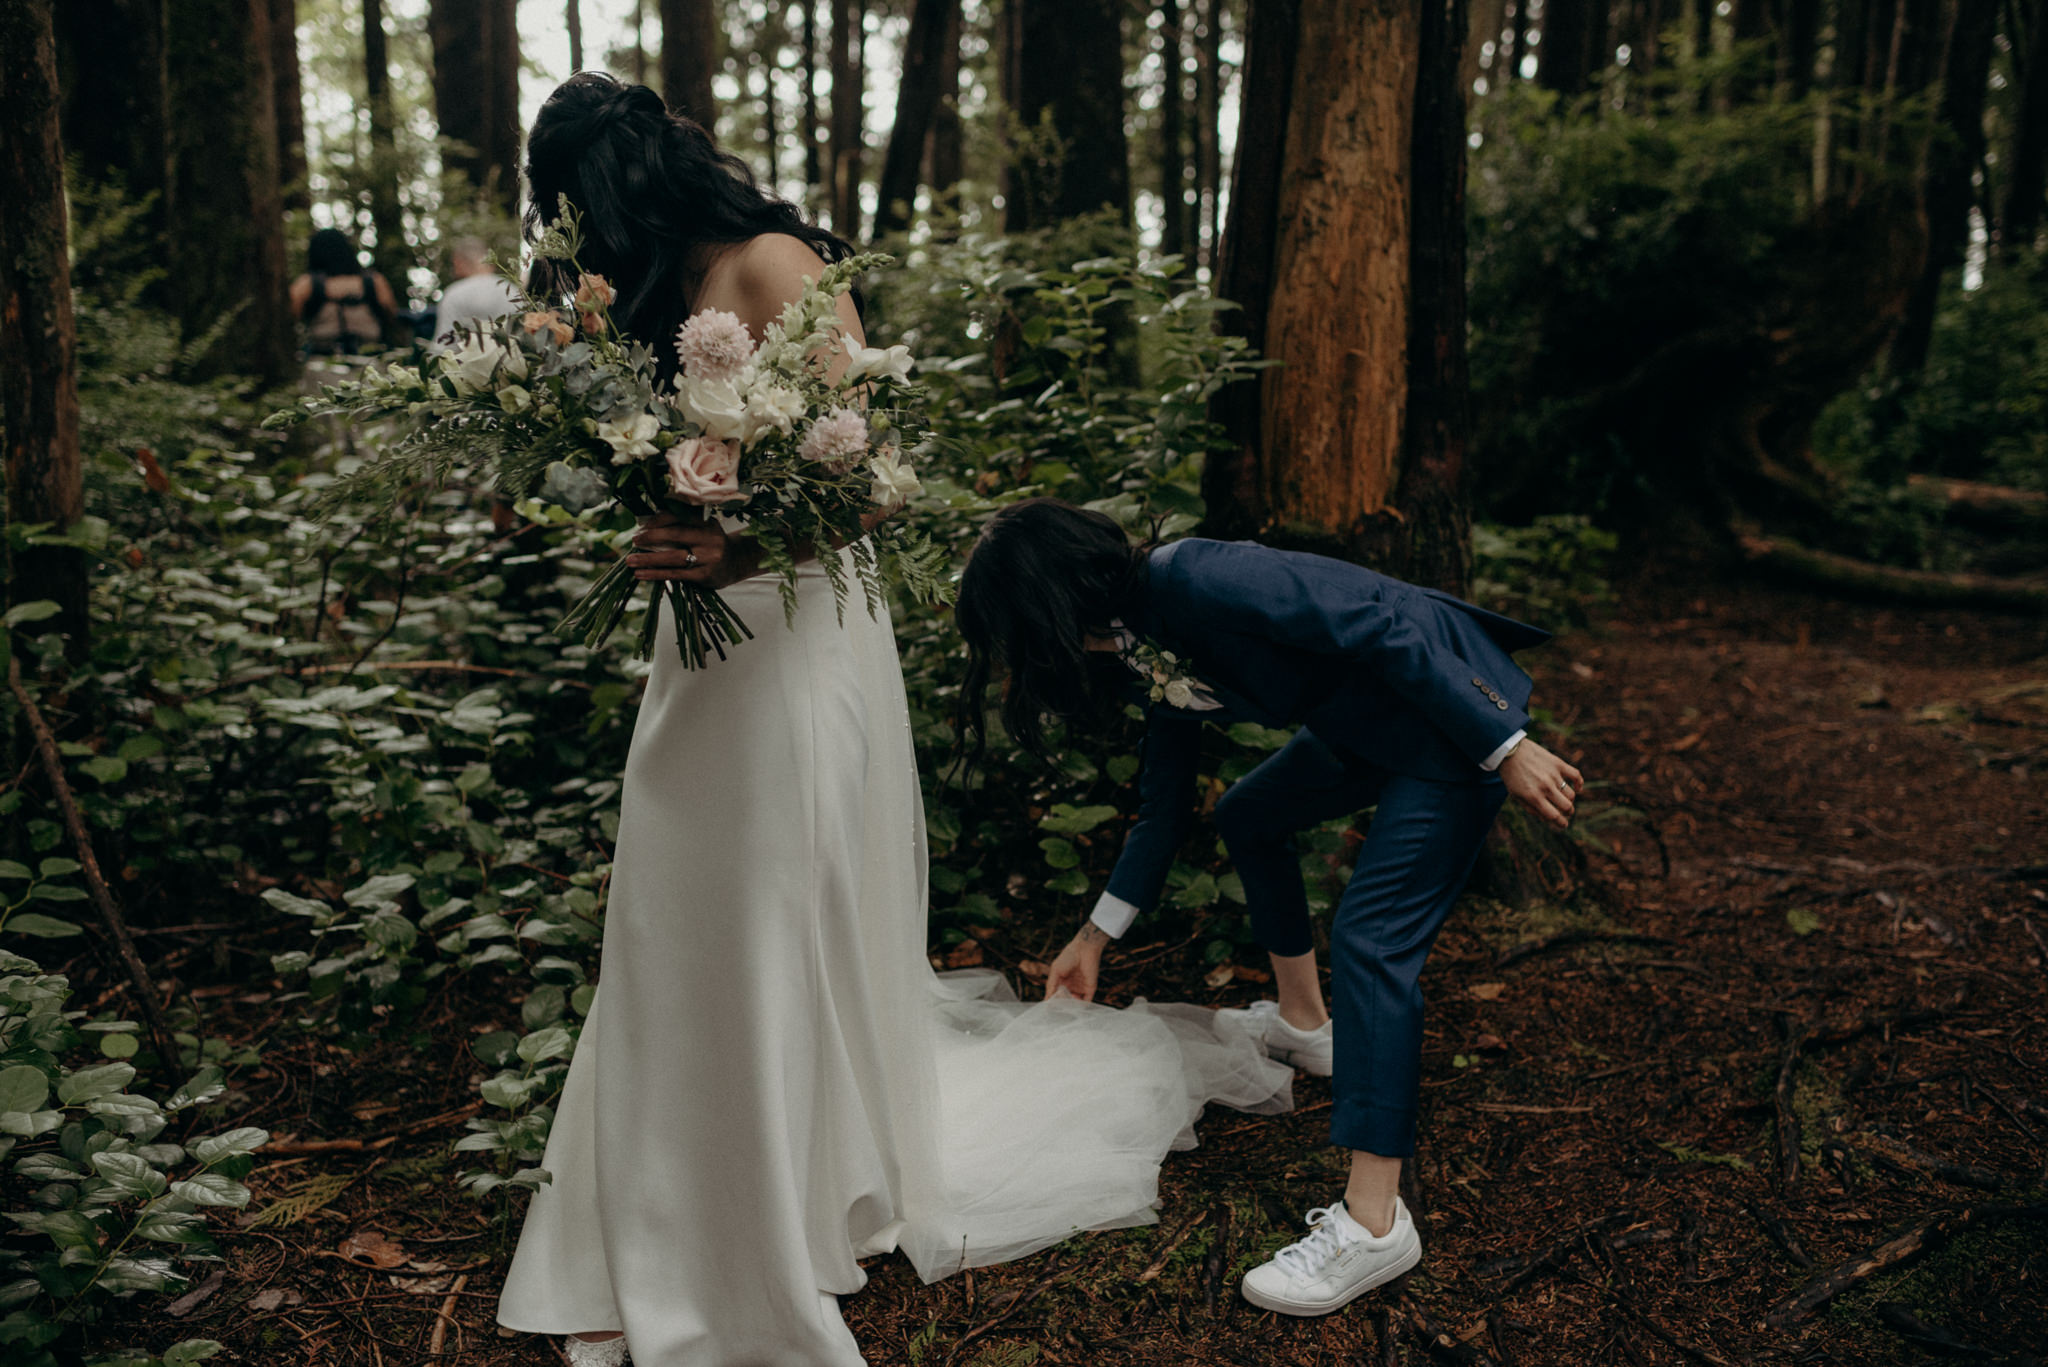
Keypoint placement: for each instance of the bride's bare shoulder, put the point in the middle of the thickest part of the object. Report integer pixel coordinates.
(756, 278)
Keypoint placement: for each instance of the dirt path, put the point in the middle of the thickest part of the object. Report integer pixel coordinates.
(1843, 963)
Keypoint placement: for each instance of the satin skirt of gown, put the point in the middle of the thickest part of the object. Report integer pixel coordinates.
(772, 1082)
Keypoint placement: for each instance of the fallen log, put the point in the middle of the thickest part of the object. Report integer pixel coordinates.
(1861, 578)
(1908, 1245)
(1998, 507)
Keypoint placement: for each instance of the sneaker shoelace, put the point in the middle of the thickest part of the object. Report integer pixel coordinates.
(1306, 1258)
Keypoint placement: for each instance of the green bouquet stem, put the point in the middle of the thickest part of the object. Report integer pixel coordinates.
(705, 622)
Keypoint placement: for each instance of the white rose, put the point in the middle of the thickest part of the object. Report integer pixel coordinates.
(1179, 693)
(630, 440)
(514, 399)
(876, 363)
(716, 406)
(895, 482)
(480, 362)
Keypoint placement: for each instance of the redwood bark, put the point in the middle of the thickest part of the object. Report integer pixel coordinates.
(919, 90)
(226, 224)
(116, 93)
(290, 99)
(1564, 52)
(391, 254)
(572, 19)
(38, 361)
(1208, 132)
(1952, 161)
(1070, 73)
(843, 167)
(1173, 158)
(690, 57)
(476, 92)
(807, 123)
(1488, 19)
(948, 150)
(2026, 184)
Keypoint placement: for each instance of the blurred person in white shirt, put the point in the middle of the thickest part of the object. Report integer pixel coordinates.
(477, 294)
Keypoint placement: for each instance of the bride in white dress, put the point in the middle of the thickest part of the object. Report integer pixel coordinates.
(772, 1083)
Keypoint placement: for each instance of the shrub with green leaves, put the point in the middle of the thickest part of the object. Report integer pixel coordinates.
(101, 1204)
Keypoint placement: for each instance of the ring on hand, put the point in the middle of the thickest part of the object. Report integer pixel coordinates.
(689, 559)
(1564, 785)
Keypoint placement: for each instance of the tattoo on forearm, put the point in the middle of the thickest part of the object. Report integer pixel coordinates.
(1093, 934)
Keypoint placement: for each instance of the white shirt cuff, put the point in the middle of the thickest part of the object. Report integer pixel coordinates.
(1113, 916)
(1492, 761)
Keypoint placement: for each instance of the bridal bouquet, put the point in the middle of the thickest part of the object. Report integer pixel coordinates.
(559, 408)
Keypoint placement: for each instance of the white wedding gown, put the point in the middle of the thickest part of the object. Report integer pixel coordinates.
(772, 1082)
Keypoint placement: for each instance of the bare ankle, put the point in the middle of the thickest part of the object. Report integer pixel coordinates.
(1301, 1017)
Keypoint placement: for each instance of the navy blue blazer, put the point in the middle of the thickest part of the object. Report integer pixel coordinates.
(1407, 679)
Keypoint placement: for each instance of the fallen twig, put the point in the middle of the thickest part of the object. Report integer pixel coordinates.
(96, 884)
(1787, 1116)
(1022, 1299)
(1781, 1234)
(446, 1316)
(1441, 1342)
(293, 1148)
(1899, 1155)
(1907, 1245)
(1179, 1237)
(1218, 1259)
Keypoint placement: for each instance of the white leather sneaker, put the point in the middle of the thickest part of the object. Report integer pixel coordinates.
(1335, 1265)
(1308, 1050)
(584, 1353)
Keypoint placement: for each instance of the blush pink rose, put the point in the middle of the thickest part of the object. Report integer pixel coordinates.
(704, 471)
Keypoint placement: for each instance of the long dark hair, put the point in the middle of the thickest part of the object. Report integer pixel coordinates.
(330, 251)
(652, 187)
(1043, 577)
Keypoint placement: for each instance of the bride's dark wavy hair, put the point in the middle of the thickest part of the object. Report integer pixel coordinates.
(651, 186)
(1043, 577)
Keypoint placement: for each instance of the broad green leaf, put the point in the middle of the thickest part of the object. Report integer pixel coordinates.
(106, 768)
(1059, 853)
(212, 1189)
(190, 1351)
(16, 871)
(552, 1042)
(297, 906)
(41, 926)
(507, 1090)
(37, 610)
(87, 1083)
(213, 1148)
(124, 1104)
(23, 1088)
(137, 1274)
(57, 892)
(385, 887)
(497, 1049)
(1070, 820)
(203, 1086)
(118, 1046)
(58, 867)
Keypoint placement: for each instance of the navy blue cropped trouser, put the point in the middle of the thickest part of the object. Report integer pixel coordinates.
(1418, 853)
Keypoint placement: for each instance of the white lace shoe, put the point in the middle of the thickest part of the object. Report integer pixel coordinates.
(1308, 1050)
(583, 1353)
(1336, 1264)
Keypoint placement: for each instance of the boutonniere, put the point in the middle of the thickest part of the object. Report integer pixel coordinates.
(1168, 677)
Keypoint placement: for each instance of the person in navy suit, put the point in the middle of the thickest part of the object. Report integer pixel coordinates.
(1407, 701)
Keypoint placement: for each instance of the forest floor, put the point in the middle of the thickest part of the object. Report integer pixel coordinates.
(1799, 1013)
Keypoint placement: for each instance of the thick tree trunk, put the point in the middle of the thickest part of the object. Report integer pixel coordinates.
(1564, 54)
(1173, 157)
(848, 80)
(226, 240)
(807, 122)
(38, 363)
(392, 255)
(1802, 46)
(919, 89)
(572, 19)
(2026, 181)
(768, 40)
(476, 92)
(291, 105)
(1246, 256)
(1208, 130)
(639, 42)
(1518, 42)
(690, 58)
(1430, 541)
(116, 93)
(1349, 262)
(1070, 75)
(1952, 161)
(948, 149)
(1489, 18)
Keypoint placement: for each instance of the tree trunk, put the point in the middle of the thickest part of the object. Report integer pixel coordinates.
(807, 123)
(768, 40)
(919, 90)
(391, 254)
(1564, 52)
(948, 150)
(845, 148)
(1173, 157)
(1208, 130)
(1518, 43)
(476, 92)
(2026, 183)
(1802, 46)
(38, 362)
(690, 58)
(291, 105)
(572, 19)
(1952, 161)
(226, 239)
(1346, 248)
(115, 90)
(639, 42)
(1070, 76)
(1430, 541)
